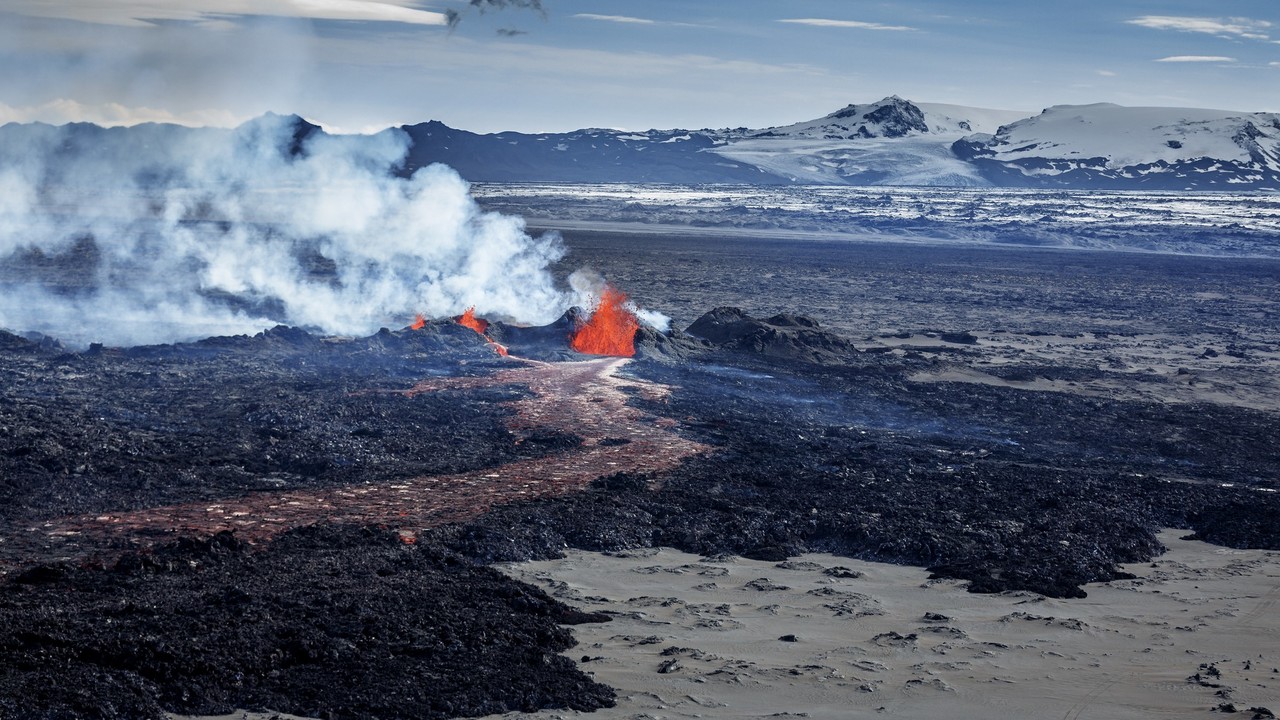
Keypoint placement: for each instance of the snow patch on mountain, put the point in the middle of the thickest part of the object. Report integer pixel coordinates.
(1105, 142)
(890, 142)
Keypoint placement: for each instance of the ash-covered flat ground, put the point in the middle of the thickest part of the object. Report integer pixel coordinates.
(1017, 419)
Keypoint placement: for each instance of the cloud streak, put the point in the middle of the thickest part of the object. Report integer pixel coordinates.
(111, 114)
(1196, 59)
(1222, 27)
(215, 13)
(626, 19)
(855, 24)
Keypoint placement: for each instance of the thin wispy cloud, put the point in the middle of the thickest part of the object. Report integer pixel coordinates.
(1222, 27)
(856, 24)
(1196, 59)
(110, 114)
(1107, 73)
(616, 19)
(215, 13)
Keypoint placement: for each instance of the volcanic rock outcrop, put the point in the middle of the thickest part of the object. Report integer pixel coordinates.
(784, 336)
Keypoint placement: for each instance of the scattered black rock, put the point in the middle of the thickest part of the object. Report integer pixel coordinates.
(765, 585)
(768, 553)
(789, 638)
(669, 666)
(894, 639)
(842, 572)
(325, 621)
(933, 617)
(798, 565)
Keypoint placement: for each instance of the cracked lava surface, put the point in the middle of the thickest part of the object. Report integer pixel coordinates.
(586, 398)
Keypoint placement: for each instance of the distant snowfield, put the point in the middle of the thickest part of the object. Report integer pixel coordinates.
(905, 144)
(1131, 135)
(896, 142)
(1174, 222)
(921, 160)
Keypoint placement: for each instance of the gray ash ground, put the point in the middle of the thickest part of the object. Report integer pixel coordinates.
(1024, 420)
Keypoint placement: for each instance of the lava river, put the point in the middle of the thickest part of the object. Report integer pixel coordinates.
(587, 398)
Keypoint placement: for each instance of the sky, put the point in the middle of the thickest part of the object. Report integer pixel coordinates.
(555, 65)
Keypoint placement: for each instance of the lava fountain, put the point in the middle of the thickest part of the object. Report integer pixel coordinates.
(469, 319)
(481, 326)
(611, 329)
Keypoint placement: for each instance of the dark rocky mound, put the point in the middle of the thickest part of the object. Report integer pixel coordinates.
(325, 622)
(785, 336)
(668, 347)
(35, 343)
(540, 342)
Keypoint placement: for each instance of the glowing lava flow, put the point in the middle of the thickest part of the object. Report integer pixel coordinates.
(419, 322)
(481, 326)
(611, 330)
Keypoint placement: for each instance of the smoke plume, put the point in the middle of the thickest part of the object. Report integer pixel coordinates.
(160, 233)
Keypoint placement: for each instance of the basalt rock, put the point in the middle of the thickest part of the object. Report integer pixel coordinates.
(540, 342)
(324, 622)
(784, 336)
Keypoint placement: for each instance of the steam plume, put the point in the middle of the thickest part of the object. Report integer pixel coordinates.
(159, 233)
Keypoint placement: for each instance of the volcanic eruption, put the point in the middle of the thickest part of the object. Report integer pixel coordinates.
(611, 329)
(481, 326)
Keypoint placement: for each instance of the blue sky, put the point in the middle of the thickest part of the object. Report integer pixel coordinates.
(358, 65)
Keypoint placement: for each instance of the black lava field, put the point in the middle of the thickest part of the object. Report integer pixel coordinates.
(813, 430)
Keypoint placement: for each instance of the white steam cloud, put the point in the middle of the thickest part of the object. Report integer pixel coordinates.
(158, 233)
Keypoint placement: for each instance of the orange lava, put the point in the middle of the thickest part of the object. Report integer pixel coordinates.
(611, 330)
(419, 322)
(480, 325)
(469, 319)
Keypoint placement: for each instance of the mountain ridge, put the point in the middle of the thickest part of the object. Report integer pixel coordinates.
(892, 141)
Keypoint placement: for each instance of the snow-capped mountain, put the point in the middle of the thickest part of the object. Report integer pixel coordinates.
(1110, 146)
(893, 117)
(890, 142)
